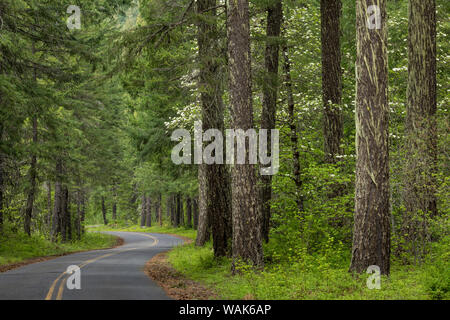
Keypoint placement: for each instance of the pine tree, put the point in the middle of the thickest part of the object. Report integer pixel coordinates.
(419, 193)
(270, 92)
(331, 77)
(371, 232)
(217, 181)
(247, 238)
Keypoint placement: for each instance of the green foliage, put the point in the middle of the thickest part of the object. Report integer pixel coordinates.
(438, 270)
(16, 246)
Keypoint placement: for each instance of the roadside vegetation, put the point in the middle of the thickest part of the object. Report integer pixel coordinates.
(293, 273)
(181, 231)
(17, 247)
(303, 276)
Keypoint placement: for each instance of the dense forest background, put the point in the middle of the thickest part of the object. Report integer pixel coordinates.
(87, 114)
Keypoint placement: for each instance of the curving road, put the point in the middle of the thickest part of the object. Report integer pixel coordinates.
(111, 274)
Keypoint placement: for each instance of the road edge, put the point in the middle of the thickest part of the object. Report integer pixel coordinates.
(173, 282)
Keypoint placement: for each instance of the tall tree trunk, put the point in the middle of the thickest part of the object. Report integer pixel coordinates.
(168, 207)
(114, 205)
(371, 233)
(143, 208)
(172, 210)
(178, 210)
(56, 225)
(158, 205)
(160, 219)
(419, 193)
(49, 205)
(203, 230)
(78, 218)
(68, 214)
(175, 211)
(247, 239)
(270, 93)
(64, 213)
(293, 131)
(181, 210)
(105, 221)
(330, 13)
(114, 210)
(33, 163)
(148, 212)
(211, 88)
(83, 210)
(195, 212)
(189, 212)
(32, 176)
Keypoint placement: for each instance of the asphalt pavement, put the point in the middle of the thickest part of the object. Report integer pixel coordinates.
(111, 274)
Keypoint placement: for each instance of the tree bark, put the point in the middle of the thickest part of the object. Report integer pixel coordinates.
(270, 95)
(114, 205)
(56, 225)
(49, 205)
(105, 221)
(247, 239)
(114, 211)
(148, 211)
(160, 219)
(33, 163)
(181, 211)
(179, 208)
(419, 194)
(371, 233)
(172, 210)
(195, 213)
(293, 132)
(143, 208)
(83, 210)
(211, 88)
(32, 176)
(203, 230)
(156, 207)
(68, 214)
(330, 13)
(168, 207)
(188, 212)
(64, 214)
(78, 218)
(176, 210)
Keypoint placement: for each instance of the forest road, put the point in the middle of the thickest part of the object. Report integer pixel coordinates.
(111, 274)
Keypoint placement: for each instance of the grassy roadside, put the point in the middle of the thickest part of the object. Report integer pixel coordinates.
(18, 247)
(304, 276)
(188, 233)
(309, 278)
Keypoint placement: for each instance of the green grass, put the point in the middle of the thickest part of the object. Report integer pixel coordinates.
(182, 231)
(18, 247)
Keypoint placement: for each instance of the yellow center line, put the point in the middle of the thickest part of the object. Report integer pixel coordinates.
(61, 287)
(52, 288)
